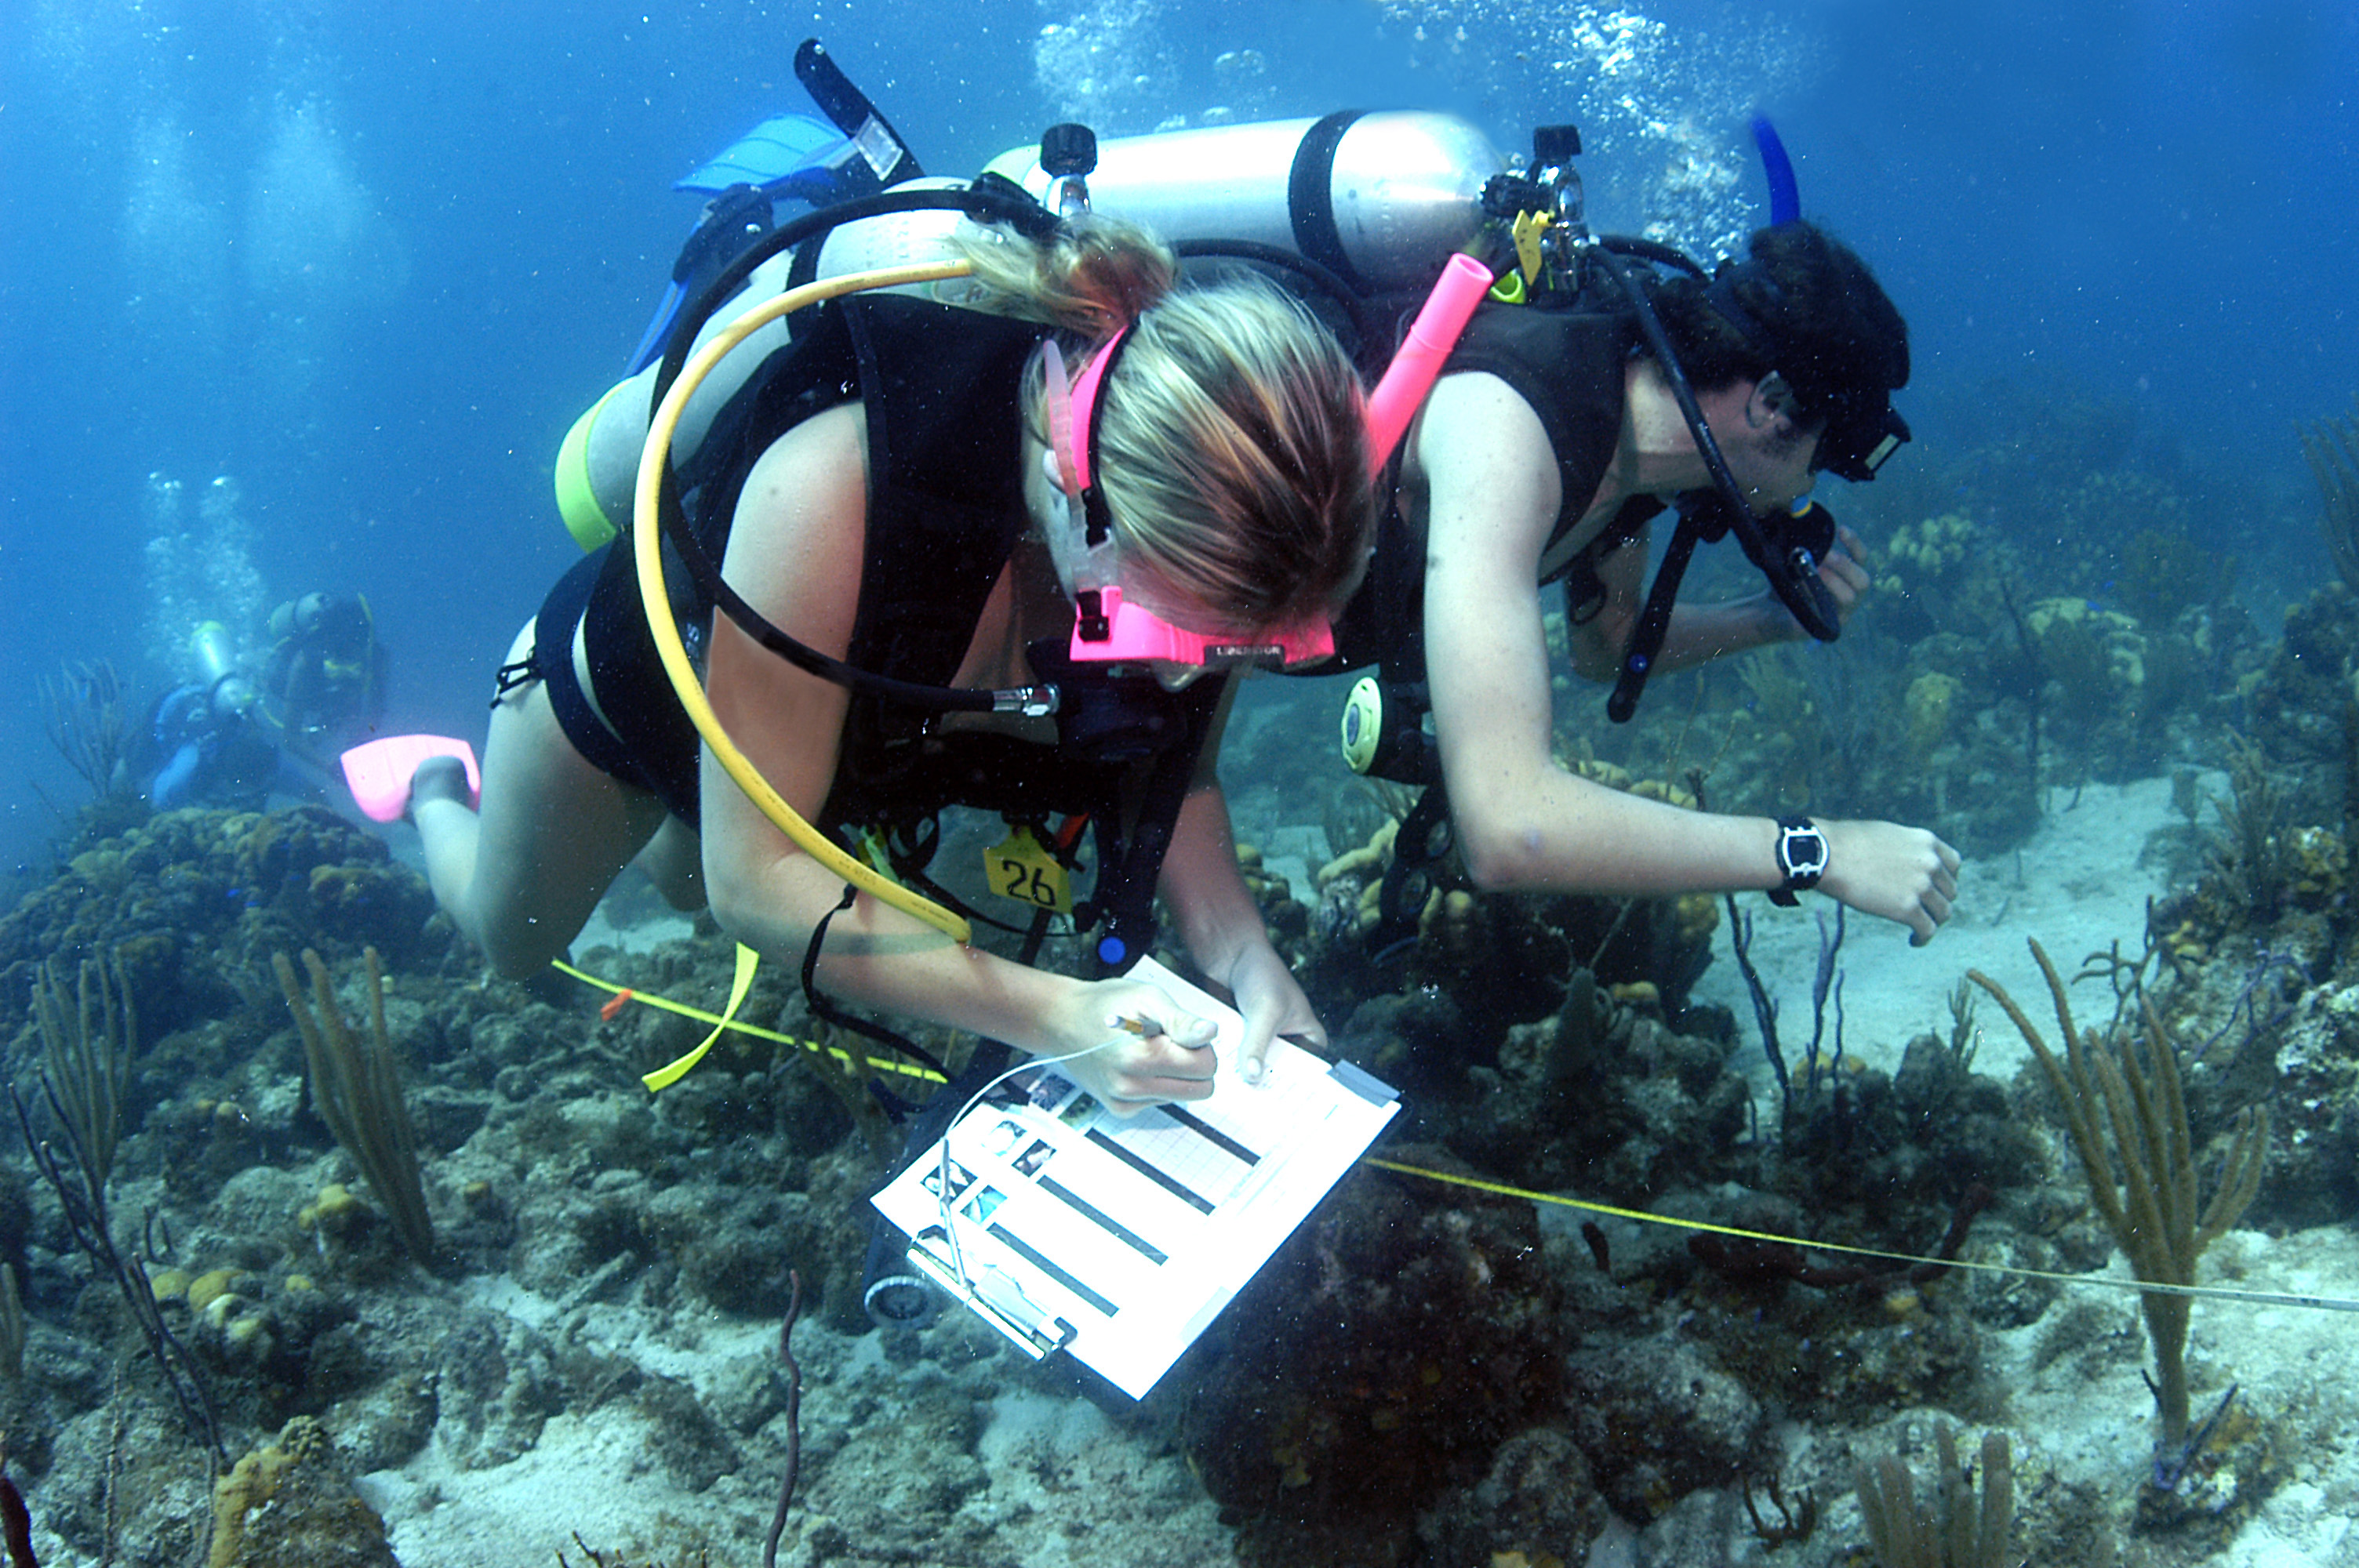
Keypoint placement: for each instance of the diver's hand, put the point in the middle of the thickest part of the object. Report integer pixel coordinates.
(1271, 1004)
(1844, 571)
(1901, 873)
(1149, 1052)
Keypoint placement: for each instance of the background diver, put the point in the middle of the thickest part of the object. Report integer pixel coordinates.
(229, 738)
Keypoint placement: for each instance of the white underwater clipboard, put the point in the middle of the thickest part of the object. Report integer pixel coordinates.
(1120, 1239)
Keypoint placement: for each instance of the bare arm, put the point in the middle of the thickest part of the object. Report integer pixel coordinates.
(796, 545)
(1222, 924)
(1523, 821)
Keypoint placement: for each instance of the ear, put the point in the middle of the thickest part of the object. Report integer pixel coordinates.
(1770, 399)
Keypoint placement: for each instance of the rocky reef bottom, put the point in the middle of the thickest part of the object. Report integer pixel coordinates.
(584, 1365)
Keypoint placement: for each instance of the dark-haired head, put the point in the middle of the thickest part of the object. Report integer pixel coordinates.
(1804, 305)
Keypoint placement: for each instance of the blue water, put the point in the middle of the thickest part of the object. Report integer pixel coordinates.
(369, 270)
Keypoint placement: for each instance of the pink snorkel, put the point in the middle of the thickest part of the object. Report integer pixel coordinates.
(1418, 362)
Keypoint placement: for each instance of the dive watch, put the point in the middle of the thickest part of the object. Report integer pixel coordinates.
(1802, 858)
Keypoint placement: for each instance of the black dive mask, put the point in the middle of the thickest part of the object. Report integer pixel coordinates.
(1861, 433)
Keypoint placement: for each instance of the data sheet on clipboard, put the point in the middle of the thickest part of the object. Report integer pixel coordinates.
(1120, 1239)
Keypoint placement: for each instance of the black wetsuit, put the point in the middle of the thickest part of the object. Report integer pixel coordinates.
(1569, 366)
(945, 510)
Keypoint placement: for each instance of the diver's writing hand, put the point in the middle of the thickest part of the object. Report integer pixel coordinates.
(1901, 873)
(1146, 1052)
(1271, 1003)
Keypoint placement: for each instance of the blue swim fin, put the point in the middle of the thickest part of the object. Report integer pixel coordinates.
(781, 145)
(786, 157)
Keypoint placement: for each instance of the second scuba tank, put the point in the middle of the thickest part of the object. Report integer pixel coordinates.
(1381, 199)
(226, 686)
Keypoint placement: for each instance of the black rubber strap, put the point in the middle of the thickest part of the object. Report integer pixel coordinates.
(826, 1011)
(1311, 197)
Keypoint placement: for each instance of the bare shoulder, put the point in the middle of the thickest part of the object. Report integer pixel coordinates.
(805, 499)
(1484, 471)
(1475, 413)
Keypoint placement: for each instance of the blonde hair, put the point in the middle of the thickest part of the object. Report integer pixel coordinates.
(1231, 448)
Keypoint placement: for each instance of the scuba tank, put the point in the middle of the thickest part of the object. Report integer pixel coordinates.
(1379, 200)
(227, 689)
(1371, 204)
(1356, 212)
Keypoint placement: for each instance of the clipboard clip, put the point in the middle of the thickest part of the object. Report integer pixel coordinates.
(994, 1295)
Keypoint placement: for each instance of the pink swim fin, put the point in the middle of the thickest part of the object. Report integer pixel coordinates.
(379, 772)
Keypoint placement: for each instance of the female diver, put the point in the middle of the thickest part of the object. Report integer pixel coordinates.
(894, 492)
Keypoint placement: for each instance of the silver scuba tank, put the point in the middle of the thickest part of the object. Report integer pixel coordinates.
(1381, 199)
(226, 686)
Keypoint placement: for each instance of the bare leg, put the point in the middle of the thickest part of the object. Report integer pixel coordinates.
(554, 833)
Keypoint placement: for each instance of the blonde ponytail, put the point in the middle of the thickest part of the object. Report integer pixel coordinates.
(1091, 277)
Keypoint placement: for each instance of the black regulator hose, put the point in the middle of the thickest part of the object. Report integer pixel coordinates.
(1793, 576)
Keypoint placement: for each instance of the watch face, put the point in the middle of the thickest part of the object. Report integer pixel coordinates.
(1803, 852)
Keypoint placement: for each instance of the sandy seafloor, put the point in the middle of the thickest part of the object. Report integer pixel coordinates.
(1087, 1490)
(1117, 1501)
(2079, 886)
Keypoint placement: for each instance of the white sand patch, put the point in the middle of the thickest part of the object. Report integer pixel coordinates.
(2078, 886)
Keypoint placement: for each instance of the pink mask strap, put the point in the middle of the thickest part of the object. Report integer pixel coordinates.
(1085, 407)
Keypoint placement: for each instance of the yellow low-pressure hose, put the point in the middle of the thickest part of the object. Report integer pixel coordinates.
(647, 541)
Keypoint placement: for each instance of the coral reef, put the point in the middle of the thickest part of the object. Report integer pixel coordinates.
(1428, 1372)
(1959, 1530)
(193, 903)
(356, 1089)
(2129, 1126)
(1505, 957)
(84, 718)
(285, 1504)
(2332, 445)
(1372, 1367)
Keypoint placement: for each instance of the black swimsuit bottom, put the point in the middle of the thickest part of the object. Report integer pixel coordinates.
(645, 738)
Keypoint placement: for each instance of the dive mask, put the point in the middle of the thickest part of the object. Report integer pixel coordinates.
(1862, 432)
(1863, 429)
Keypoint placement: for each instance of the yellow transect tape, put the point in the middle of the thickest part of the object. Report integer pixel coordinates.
(739, 1026)
(2209, 1292)
(1498, 1189)
(663, 1077)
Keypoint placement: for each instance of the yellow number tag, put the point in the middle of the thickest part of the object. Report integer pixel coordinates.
(1022, 869)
